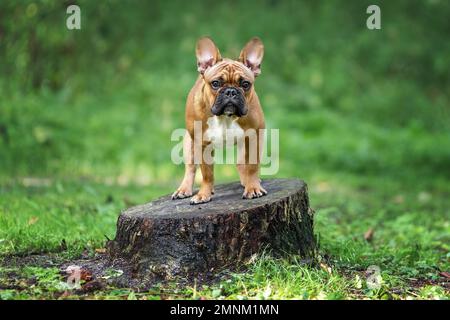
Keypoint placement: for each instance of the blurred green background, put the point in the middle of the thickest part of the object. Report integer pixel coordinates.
(364, 117)
(102, 101)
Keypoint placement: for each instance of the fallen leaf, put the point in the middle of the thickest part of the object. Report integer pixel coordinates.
(100, 250)
(368, 236)
(445, 274)
(32, 220)
(267, 292)
(325, 267)
(323, 187)
(94, 285)
(399, 199)
(85, 275)
(79, 272)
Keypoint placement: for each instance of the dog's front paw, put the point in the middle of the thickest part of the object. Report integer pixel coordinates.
(252, 192)
(201, 197)
(182, 193)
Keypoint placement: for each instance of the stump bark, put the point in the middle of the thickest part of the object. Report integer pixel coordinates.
(167, 238)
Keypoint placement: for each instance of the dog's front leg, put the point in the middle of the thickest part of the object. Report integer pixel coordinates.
(207, 185)
(249, 172)
(185, 188)
(252, 187)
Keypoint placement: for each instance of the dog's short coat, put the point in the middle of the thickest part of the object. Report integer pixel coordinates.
(223, 97)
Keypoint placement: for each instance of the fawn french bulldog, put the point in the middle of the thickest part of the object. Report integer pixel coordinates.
(223, 98)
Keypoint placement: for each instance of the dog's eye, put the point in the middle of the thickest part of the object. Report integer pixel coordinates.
(245, 85)
(215, 84)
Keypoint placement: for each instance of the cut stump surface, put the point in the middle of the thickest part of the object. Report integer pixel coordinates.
(167, 238)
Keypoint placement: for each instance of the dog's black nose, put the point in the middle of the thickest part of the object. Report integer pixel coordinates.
(230, 92)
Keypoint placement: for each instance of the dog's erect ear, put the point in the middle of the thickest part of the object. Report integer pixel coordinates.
(252, 55)
(207, 54)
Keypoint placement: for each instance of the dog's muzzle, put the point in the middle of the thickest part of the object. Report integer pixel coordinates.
(229, 102)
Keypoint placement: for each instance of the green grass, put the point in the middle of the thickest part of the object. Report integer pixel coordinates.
(86, 118)
(410, 241)
(65, 216)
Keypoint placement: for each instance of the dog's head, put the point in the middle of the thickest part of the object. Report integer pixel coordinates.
(229, 83)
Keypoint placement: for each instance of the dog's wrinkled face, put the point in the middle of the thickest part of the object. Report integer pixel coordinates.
(229, 83)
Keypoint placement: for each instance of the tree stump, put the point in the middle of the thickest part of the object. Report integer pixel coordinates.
(168, 238)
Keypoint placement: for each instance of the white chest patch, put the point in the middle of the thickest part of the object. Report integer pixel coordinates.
(223, 131)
